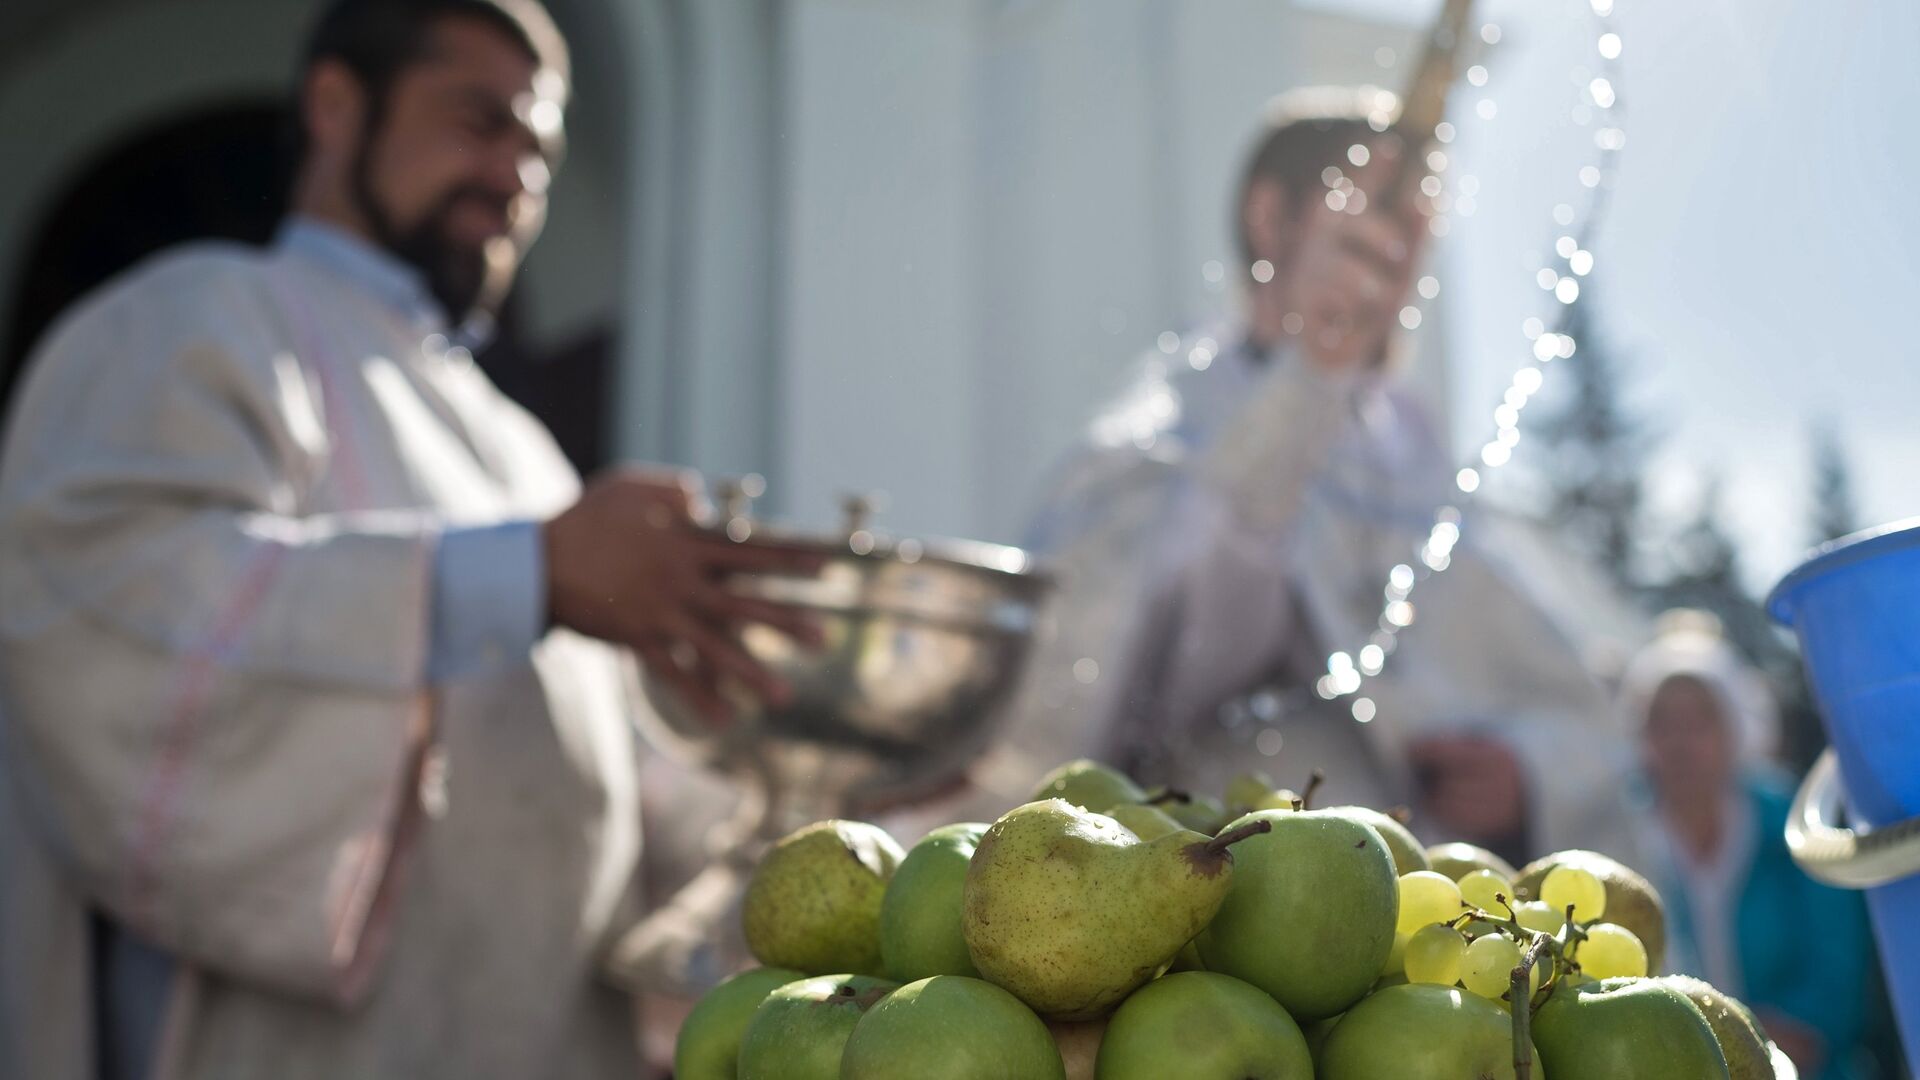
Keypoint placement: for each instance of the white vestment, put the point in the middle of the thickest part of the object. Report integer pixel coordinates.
(219, 501)
(1228, 526)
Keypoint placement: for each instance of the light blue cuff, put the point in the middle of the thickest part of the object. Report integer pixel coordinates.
(489, 600)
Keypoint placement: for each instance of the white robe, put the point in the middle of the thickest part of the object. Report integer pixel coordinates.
(1225, 528)
(219, 498)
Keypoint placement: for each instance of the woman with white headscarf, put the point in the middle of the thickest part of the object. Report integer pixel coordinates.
(1712, 809)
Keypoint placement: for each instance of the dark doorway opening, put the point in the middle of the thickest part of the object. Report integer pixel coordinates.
(221, 172)
(214, 173)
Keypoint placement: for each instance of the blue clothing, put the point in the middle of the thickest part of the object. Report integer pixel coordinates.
(1804, 948)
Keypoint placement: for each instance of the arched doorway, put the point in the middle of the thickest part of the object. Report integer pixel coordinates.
(211, 173)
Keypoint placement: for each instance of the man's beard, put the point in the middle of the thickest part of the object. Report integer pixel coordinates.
(456, 275)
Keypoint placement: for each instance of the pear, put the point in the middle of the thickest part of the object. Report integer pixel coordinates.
(1202, 1026)
(1632, 901)
(813, 903)
(1201, 813)
(920, 914)
(800, 1031)
(1148, 822)
(1088, 785)
(1310, 913)
(1456, 860)
(1740, 1042)
(1079, 1045)
(708, 1046)
(1252, 791)
(1071, 912)
(1144, 820)
(950, 1027)
(1407, 853)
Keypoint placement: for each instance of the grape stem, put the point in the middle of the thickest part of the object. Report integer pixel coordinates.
(1520, 997)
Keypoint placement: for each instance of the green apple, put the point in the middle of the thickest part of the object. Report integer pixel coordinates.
(1456, 860)
(920, 914)
(1202, 1026)
(950, 1027)
(1421, 1031)
(801, 1029)
(1201, 813)
(1309, 915)
(813, 902)
(1626, 1029)
(1408, 855)
(1144, 820)
(1088, 785)
(1733, 1028)
(708, 1046)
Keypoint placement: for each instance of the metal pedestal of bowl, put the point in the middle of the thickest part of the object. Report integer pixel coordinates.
(923, 643)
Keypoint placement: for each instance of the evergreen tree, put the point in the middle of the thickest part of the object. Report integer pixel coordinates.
(1595, 452)
(1705, 573)
(1834, 511)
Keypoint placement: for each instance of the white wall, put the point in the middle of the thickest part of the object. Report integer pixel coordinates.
(990, 208)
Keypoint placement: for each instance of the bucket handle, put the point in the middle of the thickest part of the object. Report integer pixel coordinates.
(1840, 856)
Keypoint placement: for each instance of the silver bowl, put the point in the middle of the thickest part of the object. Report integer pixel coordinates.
(923, 642)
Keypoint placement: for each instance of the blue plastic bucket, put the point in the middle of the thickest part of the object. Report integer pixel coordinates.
(1855, 606)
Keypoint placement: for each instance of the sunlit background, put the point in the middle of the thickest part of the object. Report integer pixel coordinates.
(858, 245)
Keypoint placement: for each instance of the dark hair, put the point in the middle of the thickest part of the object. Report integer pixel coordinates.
(1306, 131)
(378, 39)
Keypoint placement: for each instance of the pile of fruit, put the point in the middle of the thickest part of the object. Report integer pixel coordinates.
(1100, 931)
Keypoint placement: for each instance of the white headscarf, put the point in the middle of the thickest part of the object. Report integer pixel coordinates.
(1689, 643)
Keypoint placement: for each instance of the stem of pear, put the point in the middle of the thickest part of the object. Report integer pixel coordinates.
(1313, 784)
(1218, 845)
(1520, 995)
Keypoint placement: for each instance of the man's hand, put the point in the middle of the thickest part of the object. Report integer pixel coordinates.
(1472, 786)
(627, 564)
(1354, 271)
